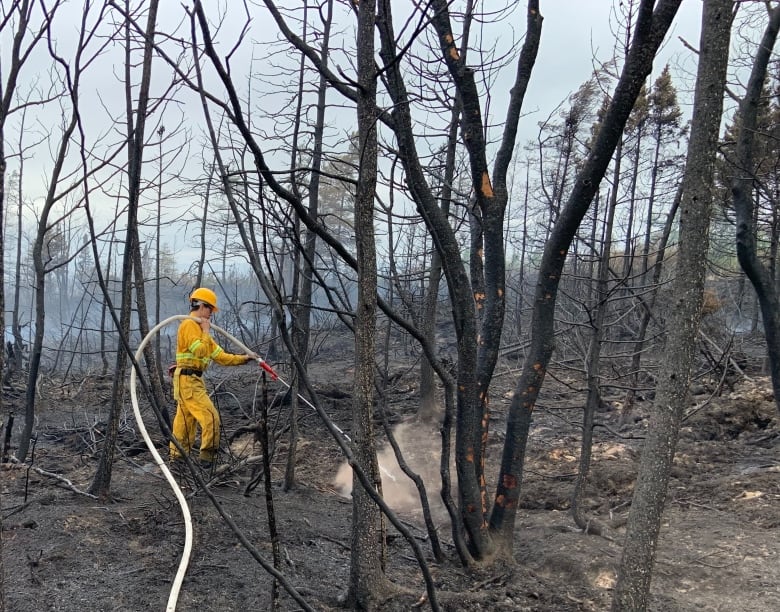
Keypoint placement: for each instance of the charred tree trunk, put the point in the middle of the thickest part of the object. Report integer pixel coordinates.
(761, 276)
(39, 266)
(478, 314)
(153, 365)
(3, 423)
(368, 584)
(101, 483)
(16, 327)
(644, 522)
(647, 310)
(301, 323)
(429, 410)
(651, 27)
(593, 361)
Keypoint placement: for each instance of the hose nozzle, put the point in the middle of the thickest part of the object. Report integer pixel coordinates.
(267, 368)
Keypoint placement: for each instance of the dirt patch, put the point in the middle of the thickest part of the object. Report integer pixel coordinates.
(66, 551)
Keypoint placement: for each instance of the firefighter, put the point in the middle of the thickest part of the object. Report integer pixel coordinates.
(195, 350)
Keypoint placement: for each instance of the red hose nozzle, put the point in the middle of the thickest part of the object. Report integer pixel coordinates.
(269, 369)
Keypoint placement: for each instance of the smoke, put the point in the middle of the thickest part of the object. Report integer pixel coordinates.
(420, 445)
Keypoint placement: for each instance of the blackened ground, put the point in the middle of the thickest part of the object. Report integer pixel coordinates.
(66, 551)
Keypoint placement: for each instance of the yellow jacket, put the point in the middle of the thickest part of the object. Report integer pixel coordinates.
(196, 349)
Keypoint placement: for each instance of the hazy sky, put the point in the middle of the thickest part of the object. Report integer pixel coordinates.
(578, 33)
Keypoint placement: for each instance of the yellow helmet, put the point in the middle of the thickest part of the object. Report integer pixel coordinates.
(205, 295)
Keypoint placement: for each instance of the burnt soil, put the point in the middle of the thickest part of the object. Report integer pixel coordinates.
(65, 550)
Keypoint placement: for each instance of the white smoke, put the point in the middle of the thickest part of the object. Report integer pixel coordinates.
(420, 446)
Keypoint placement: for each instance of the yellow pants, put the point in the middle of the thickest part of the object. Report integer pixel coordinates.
(194, 408)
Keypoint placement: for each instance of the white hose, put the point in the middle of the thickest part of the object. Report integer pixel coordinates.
(185, 509)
